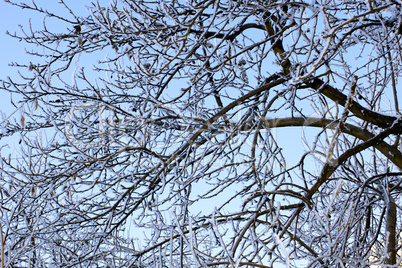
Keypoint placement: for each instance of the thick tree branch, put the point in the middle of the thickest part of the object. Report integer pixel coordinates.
(331, 166)
(391, 152)
(359, 111)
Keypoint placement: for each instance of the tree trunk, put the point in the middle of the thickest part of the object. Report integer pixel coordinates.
(391, 231)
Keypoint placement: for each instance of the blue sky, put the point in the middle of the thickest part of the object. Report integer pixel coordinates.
(11, 49)
(14, 51)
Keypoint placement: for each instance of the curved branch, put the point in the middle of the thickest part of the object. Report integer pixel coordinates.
(225, 36)
(390, 152)
(358, 110)
(329, 167)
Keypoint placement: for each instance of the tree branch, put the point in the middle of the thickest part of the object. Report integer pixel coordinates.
(359, 111)
(391, 152)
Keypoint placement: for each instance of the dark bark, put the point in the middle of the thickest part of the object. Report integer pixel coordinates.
(390, 226)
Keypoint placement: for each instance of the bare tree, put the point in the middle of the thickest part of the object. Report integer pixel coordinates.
(150, 135)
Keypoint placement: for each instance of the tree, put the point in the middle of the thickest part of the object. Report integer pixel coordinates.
(152, 135)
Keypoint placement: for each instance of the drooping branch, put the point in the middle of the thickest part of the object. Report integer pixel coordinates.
(331, 166)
